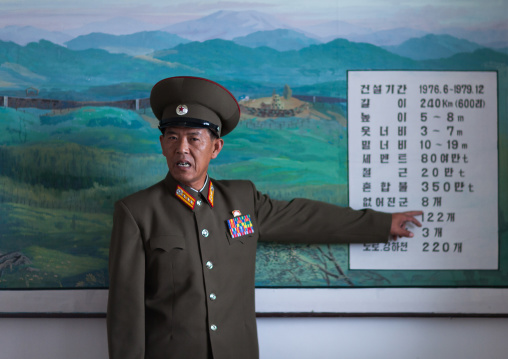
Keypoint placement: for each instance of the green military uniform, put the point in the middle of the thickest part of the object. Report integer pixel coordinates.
(181, 285)
(182, 264)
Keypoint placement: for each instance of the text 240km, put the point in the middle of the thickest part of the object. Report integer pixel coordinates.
(444, 103)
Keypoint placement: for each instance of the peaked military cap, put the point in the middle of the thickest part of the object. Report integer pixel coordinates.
(194, 102)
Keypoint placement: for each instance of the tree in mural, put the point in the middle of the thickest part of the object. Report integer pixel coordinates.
(302, 264)
(325, 260)
(287, 93)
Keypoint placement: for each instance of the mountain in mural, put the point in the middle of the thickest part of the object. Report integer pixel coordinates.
(225, 25)
(149, 41)
(135, 44)
(23, 35)
(46, 65)
(495, 37)
(482, 59)
(229, 25)
(433, 47)
(97, 75)
(66, 74)
(280, 39)
(119, 25)
(331, 30)
(388, 37)
(311, 65)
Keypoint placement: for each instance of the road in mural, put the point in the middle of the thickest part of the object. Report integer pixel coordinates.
(77, 133)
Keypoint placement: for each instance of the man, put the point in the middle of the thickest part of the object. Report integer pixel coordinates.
(182, 253)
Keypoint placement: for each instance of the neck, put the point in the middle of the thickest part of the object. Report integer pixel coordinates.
(194, 188)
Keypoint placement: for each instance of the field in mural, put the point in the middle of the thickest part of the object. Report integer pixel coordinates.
(68, 150)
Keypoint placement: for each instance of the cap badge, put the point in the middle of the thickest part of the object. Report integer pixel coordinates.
(182, 110)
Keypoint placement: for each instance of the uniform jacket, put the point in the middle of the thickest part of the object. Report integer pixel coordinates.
(181, 286)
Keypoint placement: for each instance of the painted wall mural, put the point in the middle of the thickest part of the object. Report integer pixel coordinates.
(77, 132)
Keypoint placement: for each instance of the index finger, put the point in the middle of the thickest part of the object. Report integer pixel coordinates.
(415, 221)
(413, 213)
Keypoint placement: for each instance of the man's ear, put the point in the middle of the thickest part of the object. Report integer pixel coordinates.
(161, 138)
(217, 147)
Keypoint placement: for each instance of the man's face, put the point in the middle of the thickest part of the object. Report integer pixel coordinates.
(188, 152)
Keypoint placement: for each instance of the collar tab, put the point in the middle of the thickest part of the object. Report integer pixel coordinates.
(185, 197)
(211, 192)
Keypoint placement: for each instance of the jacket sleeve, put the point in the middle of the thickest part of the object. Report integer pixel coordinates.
(308, 221)
(126, 310)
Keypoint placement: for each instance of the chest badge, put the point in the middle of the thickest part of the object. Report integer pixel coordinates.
(240, 225)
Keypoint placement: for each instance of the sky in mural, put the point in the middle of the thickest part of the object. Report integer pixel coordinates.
(61, 15)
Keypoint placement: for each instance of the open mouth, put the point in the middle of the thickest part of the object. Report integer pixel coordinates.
(183, 164)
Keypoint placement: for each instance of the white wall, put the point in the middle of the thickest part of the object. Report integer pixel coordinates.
(295, 338)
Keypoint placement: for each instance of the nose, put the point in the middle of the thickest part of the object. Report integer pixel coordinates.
(182, 145)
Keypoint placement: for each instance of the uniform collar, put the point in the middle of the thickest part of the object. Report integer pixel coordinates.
(190, 196)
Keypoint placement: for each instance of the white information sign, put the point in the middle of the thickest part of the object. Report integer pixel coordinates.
(426, 140)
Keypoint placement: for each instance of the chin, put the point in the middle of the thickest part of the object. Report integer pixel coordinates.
(186, 180)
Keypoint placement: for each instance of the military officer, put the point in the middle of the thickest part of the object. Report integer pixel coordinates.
(182, 252)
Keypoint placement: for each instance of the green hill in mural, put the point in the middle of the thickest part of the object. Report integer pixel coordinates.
(58, 72)
(48, 66)
(133, 44)
(482, 59)
(311, 65)
(61, 172)
(433, 47)
(100, 127)
(280, 40)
